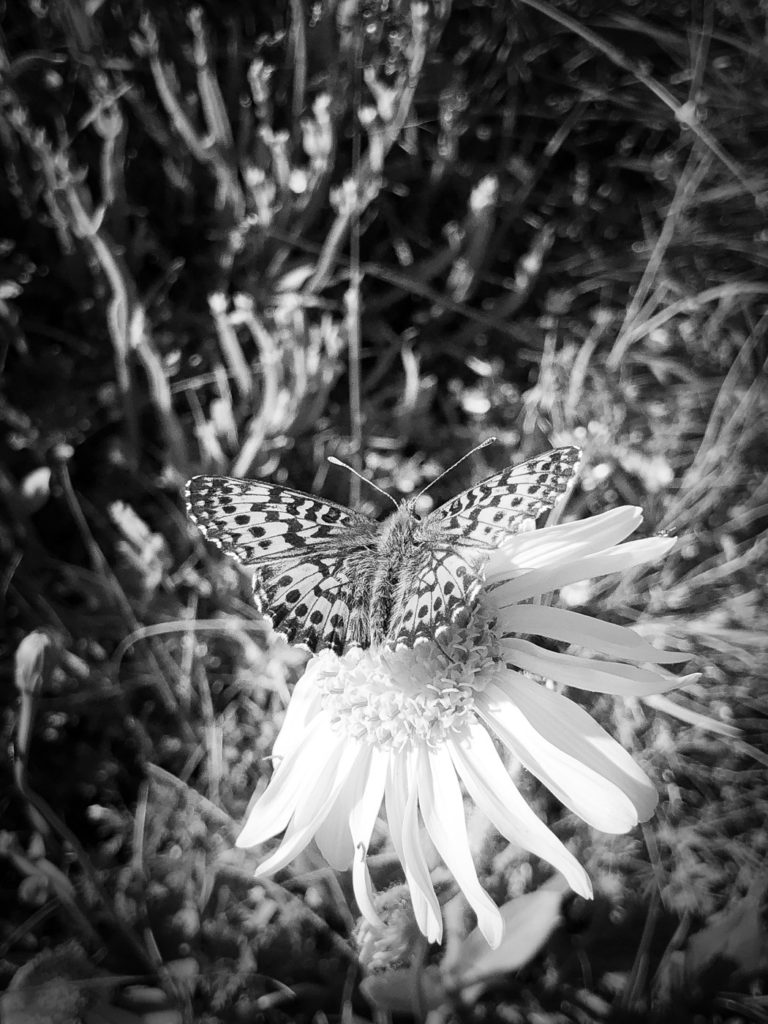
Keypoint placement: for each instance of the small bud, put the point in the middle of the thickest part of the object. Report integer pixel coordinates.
(30, 662)
(31, 668)
(35, 489)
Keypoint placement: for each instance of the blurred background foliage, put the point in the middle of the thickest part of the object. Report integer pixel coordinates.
(238, 238)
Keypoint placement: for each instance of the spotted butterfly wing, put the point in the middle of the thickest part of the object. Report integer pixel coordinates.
(313, 557)
(444, 587)
(437, 593)
(497, 507)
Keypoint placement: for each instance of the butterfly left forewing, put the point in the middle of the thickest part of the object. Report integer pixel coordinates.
(253, 520)
(499, 506)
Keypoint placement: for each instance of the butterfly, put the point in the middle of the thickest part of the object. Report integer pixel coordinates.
(328, 576)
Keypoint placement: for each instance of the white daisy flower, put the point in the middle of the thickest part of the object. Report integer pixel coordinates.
(405, 729)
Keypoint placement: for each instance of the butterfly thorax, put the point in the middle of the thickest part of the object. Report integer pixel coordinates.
(394, 554)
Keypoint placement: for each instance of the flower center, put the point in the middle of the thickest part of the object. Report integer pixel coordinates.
(396, 699)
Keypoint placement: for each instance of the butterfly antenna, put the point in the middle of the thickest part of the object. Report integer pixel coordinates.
(338, 462)
(485, 443)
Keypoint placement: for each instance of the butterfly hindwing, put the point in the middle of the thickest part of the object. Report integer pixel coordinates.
(492, 510)
(317, 601)
(305, 602)
(440, 593)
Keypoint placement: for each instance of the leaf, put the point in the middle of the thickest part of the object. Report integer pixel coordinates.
(403, 991)
(529, 921)
(736, 935)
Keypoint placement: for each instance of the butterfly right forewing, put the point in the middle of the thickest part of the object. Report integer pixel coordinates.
(491, 511)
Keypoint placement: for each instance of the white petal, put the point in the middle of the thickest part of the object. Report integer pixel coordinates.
(443, 811)
(553, 545)
(362, 818)
(315, 758)
(617, 559)
(574, 731)
(400, 798)
(489, 785)
(293, 842)
(362, 886)
(598, 799)
(586, 674)
(584, 631)
(333, 835)
(310, 813)
(302, 708)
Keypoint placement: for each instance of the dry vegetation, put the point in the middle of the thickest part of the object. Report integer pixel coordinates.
(240, 238)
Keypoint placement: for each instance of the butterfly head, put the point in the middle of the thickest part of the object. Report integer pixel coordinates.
(409, 505)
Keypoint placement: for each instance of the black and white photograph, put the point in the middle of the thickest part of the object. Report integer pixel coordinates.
(383, 512)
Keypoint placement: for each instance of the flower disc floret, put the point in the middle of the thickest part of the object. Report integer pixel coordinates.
(396, 699)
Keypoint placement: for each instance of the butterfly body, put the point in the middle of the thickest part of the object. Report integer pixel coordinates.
(407, 544)
(396, 545)
(329, 576)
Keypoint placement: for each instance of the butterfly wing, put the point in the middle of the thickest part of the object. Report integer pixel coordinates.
(313, 558)
(317, 600)
(253, 520)
(492, 510)
(444, 586)
(437, 592)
